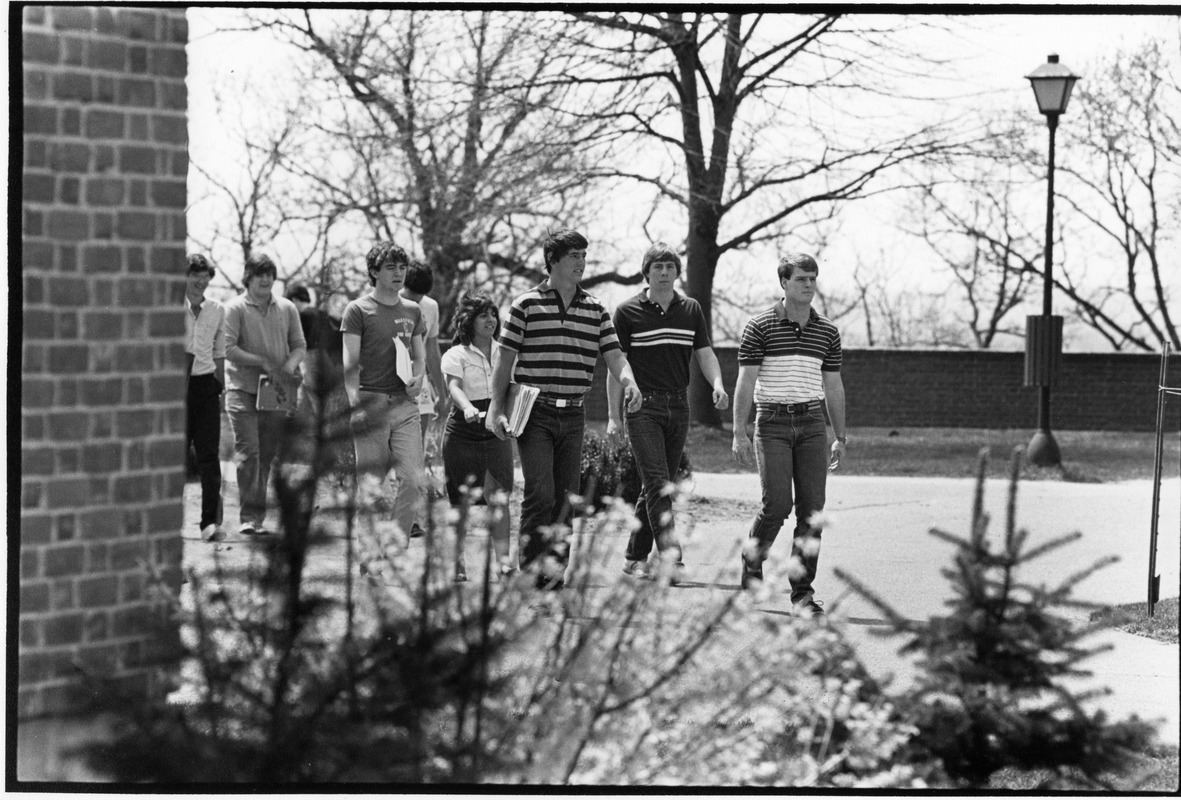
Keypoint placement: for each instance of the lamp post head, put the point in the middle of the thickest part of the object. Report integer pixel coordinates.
(1052, 83)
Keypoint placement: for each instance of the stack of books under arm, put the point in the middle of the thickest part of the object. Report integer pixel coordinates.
(518, 405)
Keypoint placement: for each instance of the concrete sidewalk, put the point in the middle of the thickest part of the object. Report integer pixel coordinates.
(879, 534)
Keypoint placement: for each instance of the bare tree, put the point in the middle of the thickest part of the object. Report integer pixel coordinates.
(748, 112)
(455, 126)
(1123, 178)
(252, 200)
(1121, 167)
(991, 271)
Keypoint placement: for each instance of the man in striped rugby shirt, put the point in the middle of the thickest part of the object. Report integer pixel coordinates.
(660, 332)
(789, 364)
(554, 334)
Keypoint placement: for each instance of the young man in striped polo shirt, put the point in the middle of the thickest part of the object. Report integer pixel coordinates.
(789, 363)
(660, 331)
(554, 334)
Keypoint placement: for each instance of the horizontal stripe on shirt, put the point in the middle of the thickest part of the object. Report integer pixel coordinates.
(790, 359)
(673, 336)
(557, 347)
(660, 342)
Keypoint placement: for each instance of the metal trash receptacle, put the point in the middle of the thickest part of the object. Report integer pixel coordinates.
(1043, 346)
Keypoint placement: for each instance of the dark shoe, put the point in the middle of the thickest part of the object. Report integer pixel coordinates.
(677, 575)
(808, 608)
(416, 531)
(750, 574)
(637, 569)
(554, 584)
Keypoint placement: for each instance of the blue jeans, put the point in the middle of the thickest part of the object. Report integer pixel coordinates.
(550, 447)
(258, 436)
(657, 432)
(792, 451)
(391, 435)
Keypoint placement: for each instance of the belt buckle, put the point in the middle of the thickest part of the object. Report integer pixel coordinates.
(561, 402)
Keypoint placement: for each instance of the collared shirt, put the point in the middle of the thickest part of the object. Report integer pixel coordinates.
(273, 332)
(790, 358)
(467, 362)
(660, 343)
(557, 346)
(205, 335)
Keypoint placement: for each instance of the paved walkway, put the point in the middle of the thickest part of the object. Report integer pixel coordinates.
(879, 534)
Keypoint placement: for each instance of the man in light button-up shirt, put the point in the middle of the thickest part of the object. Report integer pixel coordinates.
(205, 344)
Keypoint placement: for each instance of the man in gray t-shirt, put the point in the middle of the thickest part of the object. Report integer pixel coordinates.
(386, 430)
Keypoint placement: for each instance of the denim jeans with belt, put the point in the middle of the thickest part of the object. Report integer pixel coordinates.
(391, 435)
(550, 447)
(792, 452)
(257, 439)
(657, 431)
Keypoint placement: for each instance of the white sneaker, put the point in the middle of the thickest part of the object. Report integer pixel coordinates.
(213, 533)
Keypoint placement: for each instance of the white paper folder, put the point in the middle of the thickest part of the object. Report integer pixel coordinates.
(405, 364)
(519, 403)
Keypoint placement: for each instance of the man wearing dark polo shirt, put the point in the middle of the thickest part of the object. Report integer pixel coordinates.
(554, 334)
(659, 331)
(789, 363)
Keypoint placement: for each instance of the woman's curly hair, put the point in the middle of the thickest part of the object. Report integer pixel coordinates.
(472, 306)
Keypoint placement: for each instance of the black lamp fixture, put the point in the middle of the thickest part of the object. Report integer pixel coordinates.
(1052, 83)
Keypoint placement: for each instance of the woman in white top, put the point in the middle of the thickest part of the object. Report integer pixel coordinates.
(475, 461)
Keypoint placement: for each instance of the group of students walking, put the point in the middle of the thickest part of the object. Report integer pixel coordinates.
(789, 368)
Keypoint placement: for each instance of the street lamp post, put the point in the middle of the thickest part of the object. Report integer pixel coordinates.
(1052, 83)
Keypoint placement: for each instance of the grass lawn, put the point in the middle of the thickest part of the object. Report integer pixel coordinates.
(1088, 456)
(1133, 618)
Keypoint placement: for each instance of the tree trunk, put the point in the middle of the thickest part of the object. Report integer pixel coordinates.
(702, 263)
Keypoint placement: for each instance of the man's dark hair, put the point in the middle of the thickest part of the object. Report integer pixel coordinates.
(558, 243)
(258, 264)
(471, 307)
(381, 253)
(793, 261)
(299, 292)
(659, 251)
(419, 278)
(199, 263)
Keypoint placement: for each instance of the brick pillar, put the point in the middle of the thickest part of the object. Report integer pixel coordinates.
(102, 394)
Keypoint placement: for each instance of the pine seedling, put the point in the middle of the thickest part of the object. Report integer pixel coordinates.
(989, 693)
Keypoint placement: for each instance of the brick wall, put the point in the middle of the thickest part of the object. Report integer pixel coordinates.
(102, 412)
(981, 389)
